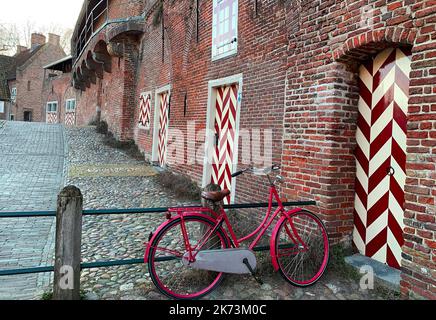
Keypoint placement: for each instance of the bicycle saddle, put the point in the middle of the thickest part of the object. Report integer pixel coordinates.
(215, 196)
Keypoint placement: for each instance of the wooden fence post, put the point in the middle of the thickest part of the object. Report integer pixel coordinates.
(68, 244)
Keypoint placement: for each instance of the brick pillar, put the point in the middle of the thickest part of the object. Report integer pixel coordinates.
(319, 141)
(419, 250)
(130, 60)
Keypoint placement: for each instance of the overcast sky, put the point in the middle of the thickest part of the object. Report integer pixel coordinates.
(43, 12)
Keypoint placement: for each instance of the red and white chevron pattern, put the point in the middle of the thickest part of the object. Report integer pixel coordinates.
(225, 128)
(70, 119)
(144, 110)
(163, 128)
(52, 117)
(381, 156)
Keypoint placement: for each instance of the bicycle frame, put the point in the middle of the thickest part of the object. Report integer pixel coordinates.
(218, 219)
(222, 218)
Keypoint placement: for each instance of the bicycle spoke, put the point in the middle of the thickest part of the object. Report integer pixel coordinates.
(304, 265)
(173, 277)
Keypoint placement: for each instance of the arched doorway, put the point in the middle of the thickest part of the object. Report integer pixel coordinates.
(381, 155)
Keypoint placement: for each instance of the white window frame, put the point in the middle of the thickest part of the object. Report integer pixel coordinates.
(218, 15)
(68, 106)
(50, 103)
(14, 94)
(2, 107)
(12, 117)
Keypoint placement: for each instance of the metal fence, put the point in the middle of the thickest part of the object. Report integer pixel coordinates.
(102, 264)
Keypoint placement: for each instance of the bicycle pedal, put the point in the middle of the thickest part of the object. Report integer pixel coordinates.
(258, 280)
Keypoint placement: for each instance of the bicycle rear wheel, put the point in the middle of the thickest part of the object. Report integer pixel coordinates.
(302, 248)
(165, 266)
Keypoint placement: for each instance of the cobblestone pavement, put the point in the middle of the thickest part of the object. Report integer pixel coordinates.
(31, 174)
(122, 236)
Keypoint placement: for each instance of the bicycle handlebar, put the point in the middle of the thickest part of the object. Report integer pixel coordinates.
(274, 167)
(238, 173)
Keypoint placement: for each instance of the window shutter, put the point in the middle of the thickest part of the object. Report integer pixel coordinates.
(145, 110)
(225, 27)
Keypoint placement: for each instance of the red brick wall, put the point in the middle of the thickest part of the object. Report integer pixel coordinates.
(125, 8)
(188, 67)
(59, 89)
(326, 47)
(299, 61)
(32, 71)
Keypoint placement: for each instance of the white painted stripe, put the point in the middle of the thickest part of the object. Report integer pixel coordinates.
(365, 111)
(381, 254)
(394, 245)
(366, 77)
(362, 143)
(403, 62)
(378, 192)
(382, 122)
(361, 176)
(383, 87)
(380, 59)
(401, 98)
(377, 226)
(358, 241)
(380, 157)
(396, 210)
(399, 136)
(360, 209)
(399, 175)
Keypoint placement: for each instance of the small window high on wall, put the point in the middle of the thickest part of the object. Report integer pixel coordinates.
(52, 106)
(70, 105)
(225, 28)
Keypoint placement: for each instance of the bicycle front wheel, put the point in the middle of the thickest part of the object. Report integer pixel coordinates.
(302, 248)
(165, 266)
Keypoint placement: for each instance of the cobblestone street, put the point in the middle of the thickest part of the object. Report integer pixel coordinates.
(120, 237)
(31, 175)
(109, 178)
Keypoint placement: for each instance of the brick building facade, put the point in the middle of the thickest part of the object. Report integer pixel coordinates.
(58, 90)
(27, 77)
(345, 89)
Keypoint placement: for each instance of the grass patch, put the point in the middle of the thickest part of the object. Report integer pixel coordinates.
(387, 294)
(180, 185)
(128, 147)
(102, 127)
(338, 265)
(49, 295)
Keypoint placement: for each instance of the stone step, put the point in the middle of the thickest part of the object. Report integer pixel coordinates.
(384, 275)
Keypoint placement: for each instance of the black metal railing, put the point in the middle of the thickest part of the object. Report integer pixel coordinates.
(88, 25)
(111, 263)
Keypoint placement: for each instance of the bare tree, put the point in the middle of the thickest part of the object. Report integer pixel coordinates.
(64, 33)
(12, 35)
(9, 38)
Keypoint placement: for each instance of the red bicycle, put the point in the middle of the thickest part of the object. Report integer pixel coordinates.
(188, 254)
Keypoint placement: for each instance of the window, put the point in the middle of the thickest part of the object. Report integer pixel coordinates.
(52, 106)
(12, 117)
(224, 28)
(2, 107)
(28, 85)
(14, 94)
(70, 105)
(144, 110)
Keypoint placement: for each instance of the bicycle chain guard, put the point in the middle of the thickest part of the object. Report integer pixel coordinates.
(223, 260)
